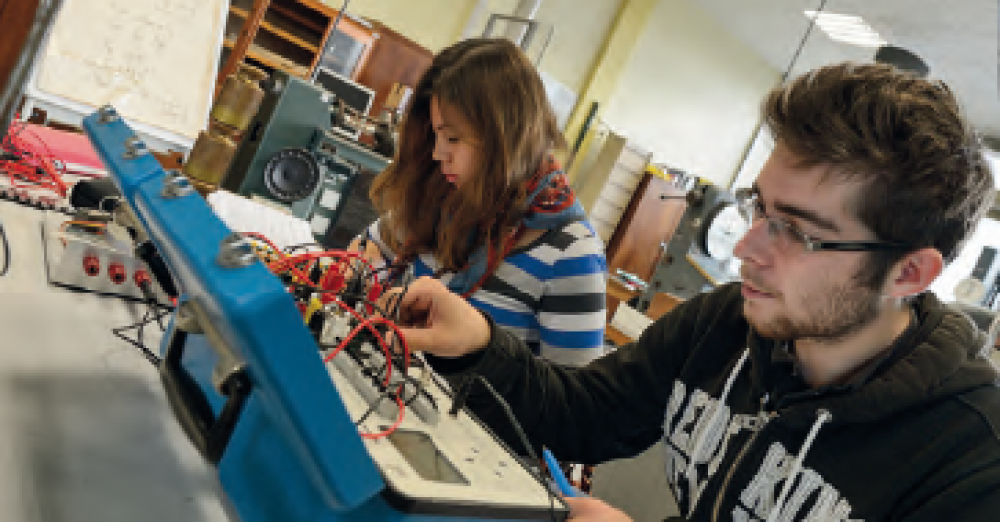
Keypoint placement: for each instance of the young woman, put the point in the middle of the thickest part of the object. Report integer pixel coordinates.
(475, 198)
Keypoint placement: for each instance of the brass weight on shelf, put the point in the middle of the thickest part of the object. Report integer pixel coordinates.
(210, 156)
(240, 98)
(231, 113)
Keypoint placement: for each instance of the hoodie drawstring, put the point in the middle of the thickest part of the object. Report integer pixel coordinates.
(702, 435)
(823, 417)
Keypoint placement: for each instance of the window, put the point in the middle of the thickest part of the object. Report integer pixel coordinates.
(986, 234)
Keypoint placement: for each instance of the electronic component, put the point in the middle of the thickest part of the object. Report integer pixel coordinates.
(698, 256)
(291, 174)
(317, 182)
(293, 438)
(356, 99)
(94, 256)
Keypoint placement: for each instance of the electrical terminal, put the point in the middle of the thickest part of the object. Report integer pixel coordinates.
(117, 273)
(335, 329)
(91, 265)
(141, 277)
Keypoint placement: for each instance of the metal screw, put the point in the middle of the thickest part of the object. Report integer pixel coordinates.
(235, 252)
(223, 372)
(107, 114)
(185, 319)
(134, 147)
(176, 185)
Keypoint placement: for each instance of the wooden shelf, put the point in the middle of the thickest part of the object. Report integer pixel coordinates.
(270, 59)
(269, 27)
(298, 17)
(290, 35)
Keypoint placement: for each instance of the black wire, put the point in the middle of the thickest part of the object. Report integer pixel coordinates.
(467, 387)
(360, 298)
(420, 389)
(371, 407)
(148, 316)
(6, 251)
(301, 246)
(398, 302)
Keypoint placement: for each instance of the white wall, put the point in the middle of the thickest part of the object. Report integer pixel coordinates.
(434, 24)
(579, 28)
(691, 93)
(579, 32)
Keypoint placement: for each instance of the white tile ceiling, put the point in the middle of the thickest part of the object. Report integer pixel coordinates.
(957, 39)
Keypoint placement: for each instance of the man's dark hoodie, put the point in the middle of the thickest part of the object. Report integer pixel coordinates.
(912, 436)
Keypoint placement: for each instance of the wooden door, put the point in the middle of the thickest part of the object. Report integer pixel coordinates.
(650, 219)
(16, 17)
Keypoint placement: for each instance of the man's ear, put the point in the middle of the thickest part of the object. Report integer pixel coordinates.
(915, 272)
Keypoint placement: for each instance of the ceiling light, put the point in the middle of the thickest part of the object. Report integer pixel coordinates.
(847, 28)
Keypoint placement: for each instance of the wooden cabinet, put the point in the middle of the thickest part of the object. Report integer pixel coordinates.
(647, 223)
(393, 59)
(283, 34)
(291, 34)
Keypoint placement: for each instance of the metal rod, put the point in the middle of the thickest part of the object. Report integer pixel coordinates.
(784, 77)
(328, 45)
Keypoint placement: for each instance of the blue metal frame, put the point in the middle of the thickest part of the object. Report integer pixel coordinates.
(294, 406)
(294, 454)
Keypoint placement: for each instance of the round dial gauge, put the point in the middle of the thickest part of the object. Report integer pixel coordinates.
(970, 291)
(724, 227)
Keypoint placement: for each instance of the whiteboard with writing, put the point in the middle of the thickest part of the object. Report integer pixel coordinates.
(154, 60)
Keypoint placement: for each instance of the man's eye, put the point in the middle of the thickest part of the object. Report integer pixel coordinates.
(796, 233)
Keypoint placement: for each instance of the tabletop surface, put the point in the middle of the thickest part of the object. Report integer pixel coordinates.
(86, 433)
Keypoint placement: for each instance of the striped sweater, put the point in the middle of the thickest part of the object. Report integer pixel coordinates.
(550, 293)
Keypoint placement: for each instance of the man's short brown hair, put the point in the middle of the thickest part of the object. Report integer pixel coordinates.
(926, 180)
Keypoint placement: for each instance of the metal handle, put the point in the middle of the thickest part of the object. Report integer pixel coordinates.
(210, 435)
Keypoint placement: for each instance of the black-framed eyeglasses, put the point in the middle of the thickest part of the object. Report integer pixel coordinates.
(788, 238)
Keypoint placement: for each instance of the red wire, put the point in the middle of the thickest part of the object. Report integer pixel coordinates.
(263, 238)
(370, 324)
(280, 265)
(298, 258)
(399, 420)
(296, 272)
(52, 157)
(30, 160)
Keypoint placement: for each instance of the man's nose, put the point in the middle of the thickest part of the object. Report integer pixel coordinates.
(752, 248)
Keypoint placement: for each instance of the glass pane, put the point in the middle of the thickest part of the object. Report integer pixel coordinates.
(342, 53)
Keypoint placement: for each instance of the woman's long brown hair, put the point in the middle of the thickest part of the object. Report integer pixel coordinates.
(491, 83)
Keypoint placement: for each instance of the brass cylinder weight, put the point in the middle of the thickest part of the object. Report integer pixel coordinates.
(231, 113)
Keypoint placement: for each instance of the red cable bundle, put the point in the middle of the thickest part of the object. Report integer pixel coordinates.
(29, 163)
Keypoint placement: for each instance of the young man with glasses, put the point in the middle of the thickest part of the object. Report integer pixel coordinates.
(828, 384)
